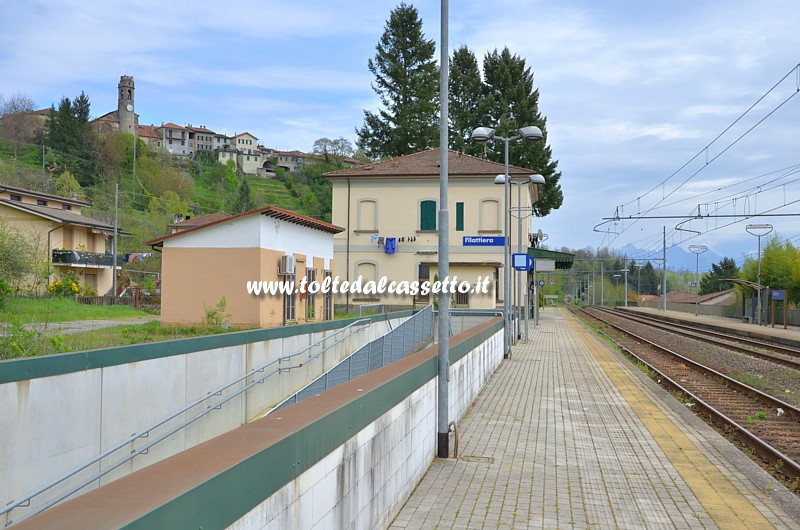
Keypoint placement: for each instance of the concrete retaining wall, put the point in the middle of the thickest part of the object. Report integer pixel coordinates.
(61, 411)
(364, 482)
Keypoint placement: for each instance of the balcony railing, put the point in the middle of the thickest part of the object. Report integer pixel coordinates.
(84, 259)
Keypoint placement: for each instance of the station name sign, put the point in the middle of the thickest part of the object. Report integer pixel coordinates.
(484, 241)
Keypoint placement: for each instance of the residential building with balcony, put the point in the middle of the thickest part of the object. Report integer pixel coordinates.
(174, 138)
(60, 235)
(200, 139)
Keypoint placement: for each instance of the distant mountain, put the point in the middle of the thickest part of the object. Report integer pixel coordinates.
(677, 258)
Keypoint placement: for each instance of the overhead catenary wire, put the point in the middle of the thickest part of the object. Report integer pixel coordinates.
(611, 236)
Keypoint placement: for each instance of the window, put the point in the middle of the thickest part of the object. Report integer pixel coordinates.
(40, 202)
(367, 219)
(170, 142)
(459, 217)
(462, 299)
(490, 215)
(427, 215)
(66, 206)
(423, 274)
(289, 308)
(327, 300)
(183, 142)
(311, 298)
(16, 197)
(368, 271)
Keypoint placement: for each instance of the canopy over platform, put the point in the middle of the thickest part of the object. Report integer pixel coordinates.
(563, 260)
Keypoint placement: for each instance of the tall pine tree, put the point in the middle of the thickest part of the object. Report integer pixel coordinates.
(406, 80)
(465, 99)
(509, 103)
(69, 134)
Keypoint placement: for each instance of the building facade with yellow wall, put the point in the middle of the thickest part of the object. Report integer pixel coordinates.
(61, 238)
(398, 200)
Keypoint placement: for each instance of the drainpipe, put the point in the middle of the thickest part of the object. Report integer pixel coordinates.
(347, 259)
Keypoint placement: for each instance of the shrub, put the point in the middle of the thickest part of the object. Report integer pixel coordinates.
(217, 317)
(68, 284)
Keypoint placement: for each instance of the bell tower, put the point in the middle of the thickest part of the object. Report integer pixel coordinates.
(125, 105)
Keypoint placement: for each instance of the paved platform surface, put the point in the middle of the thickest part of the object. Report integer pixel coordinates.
(568, 434)
(791, 332)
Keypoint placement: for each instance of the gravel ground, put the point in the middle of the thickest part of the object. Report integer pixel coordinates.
(774, 379)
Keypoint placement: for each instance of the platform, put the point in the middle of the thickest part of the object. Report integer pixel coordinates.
(569, 434)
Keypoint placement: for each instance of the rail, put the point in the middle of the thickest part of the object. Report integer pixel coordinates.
(355, 327)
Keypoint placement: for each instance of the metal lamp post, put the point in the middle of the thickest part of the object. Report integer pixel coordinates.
(697, 250)
(527, 181)
(540, 237)
(487, 134)
(758, 231)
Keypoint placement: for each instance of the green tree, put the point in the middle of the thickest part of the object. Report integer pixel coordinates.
(779, 262)
(16, 120)
(244, 199)
(16, 260)
(66, 185)
(406, 80)
(509, 103)
(333, 151)
(465, 99)
(67, 131)
(713, 281)
(650, 280)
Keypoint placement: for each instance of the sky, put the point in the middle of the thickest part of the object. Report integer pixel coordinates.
(646, 102)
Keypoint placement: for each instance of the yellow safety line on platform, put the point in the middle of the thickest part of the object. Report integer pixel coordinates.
(723, 502)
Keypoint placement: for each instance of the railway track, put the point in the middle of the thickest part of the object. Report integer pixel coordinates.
(769, 426)
(761, 349)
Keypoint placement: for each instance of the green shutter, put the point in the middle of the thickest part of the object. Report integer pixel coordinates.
(459, 217)
(427, 215)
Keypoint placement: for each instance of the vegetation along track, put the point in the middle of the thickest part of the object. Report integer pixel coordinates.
(764, 423)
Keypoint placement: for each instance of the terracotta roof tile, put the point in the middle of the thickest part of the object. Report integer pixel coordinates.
(148, 131)
(426, 163)
(200, 129)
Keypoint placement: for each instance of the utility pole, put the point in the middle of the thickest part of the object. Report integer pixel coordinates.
(602, 286)
(443, 357)
(664, 279)
(114, 245)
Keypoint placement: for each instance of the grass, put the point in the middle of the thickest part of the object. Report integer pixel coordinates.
(128, 334)
(29, 156)
(57, 309)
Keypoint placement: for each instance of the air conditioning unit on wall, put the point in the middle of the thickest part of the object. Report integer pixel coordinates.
(287, 265)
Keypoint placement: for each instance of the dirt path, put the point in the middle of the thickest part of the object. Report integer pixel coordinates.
(79, 326)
